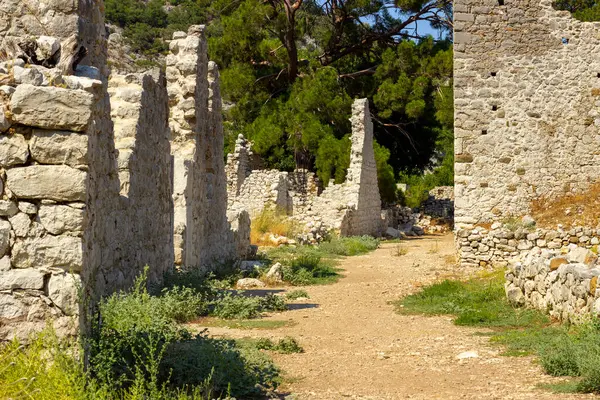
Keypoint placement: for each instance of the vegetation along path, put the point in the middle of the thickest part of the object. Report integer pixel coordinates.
(357, 346)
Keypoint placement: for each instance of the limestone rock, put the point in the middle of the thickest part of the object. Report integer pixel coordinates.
(59, 147)
(54, 182)
(557, 262)
(393, 233)
(10, 307)
(29, 76)
(8, 208)
(276, 272)
(5, 263)
(13, 150)
(47, 47)
(58, 219)
(21, 279)
(4, 237)
(27, 207)
(63, 290)
(249, 283)
(581, 255)
(515, 296)
(64, 252)
(250, 265)
(467, 354)
(4, 121)
(20, 224)
(52, 107)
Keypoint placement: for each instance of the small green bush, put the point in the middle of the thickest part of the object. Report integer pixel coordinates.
(296, 294)
(231, 306)
(286, 345)
(273, 303)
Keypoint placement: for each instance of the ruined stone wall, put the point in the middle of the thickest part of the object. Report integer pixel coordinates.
(143, 235)
(563, 284)
(203, 236)
(351, 208)
(526, 106)
(45, 165)
(354, 207)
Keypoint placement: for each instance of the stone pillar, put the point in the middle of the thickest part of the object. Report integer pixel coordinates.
(362, 174)
(187, 72)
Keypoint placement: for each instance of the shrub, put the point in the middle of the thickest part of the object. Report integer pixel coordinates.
(231, 306)
(307, 269)
(296, 294)
(286, 345)
(236, 306)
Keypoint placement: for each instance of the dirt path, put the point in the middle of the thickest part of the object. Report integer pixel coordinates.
(357, 347)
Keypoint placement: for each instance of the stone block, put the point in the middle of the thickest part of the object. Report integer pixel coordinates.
(64, 252)
(21, 279)
(58, 219)
(557, 262)
(8, 208)
(63, 290)
(59, 147)
(52, 107)
(11, 307)
(4, 237)
(59, 183)
(13, 150)
(581, 255)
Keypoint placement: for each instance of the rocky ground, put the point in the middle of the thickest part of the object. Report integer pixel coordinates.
(357, 347)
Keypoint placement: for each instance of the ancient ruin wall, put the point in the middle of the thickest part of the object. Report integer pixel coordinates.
(526, 106)
(351, 208)
(203, 236)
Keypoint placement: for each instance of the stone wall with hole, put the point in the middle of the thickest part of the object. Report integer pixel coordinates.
(562, 283)
(350, 208)
(527, 106)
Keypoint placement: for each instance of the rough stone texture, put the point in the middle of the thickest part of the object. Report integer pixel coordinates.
(354, 207)
(52, 107)
(13, 150)
(203, 237)
(59, 219)
(58, 147)
(567, 290)
(351, 208)
(139, 110)
(86, 202)
(503, 243)
(56, 182)
(526, 107)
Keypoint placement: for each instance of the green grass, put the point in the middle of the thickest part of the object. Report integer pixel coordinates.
(286, 345)
(478, 302)
(296, 294)
(316, 265)
(562, 350)
(244, 323)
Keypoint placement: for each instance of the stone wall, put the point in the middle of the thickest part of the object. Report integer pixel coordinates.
(351, 208)
(100, 178)
(563, 284)
(526, 106)
(440, 203)
(203, 235)
(45, 164)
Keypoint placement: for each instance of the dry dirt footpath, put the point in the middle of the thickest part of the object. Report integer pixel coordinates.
(357, 347)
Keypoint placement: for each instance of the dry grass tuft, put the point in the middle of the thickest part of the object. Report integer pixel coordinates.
(271, 222)
(571, 209)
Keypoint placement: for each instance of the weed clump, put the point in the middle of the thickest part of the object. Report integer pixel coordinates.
(286, 345)
(297, 294)
(235, 306)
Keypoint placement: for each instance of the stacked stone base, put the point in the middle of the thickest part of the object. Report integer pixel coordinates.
(565, 286)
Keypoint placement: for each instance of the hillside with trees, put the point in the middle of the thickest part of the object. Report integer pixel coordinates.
(290, 70)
